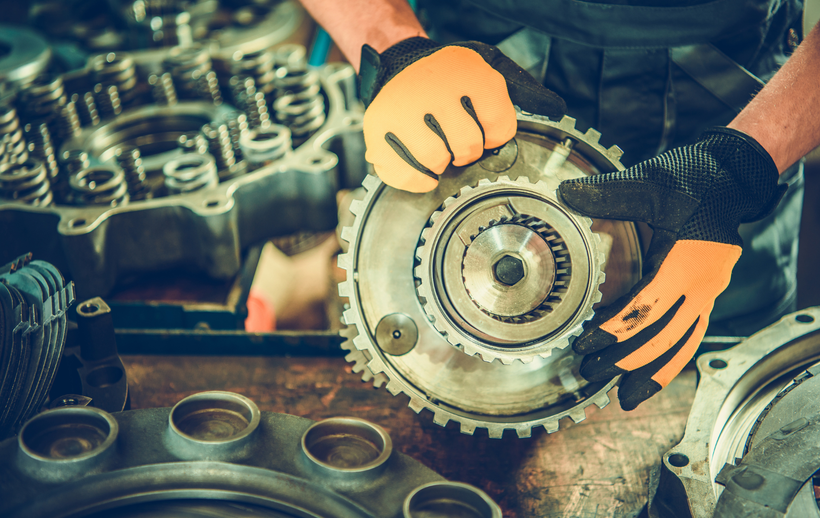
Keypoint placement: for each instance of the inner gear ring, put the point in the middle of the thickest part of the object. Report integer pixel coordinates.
(550, 302)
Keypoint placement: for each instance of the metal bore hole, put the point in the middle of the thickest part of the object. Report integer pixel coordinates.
(718, 364)
(104, 376)
(212, 203)
(804, 319)
(77, 222)
(215, 417)
(678, 460)
(68, 433)
(449, 499)
(89, 308)
(347, 444)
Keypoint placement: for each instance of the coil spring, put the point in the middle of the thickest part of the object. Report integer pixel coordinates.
(193, 142)
(220, 146)
(237, 126)
(26, 182)
(190, 172)
(118, 69)
(15, 150)
(190, 68)
(248, 99)
(300, 105)
(261, 145)
(73, 161)
(108, 100)
(129, 159)
(42, 99)
(291, 55)
(162, 89)
(260, 65)
(41, 148)
(101, 185)
(68, 122)
(86, 108)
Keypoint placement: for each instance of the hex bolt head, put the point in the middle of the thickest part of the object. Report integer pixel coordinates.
(509, 270)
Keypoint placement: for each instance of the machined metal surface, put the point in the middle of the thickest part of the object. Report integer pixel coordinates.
(213, 454)
(755, 409)
(207, 228)
(396, 246)
(26, 55)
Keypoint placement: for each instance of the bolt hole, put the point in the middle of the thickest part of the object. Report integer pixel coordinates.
(89, 309)
(316, 161)
(678, 460)
(718, 364)
(212, 203)
(396, 334)
(77, 223)
(804, 319)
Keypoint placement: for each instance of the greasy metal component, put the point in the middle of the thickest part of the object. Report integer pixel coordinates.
(26, 182)
(26, 55)
(118, 69)
(42, 99)
(397, 334)
(221, 148)
(237, 126)
(257, 65)
(68, 122)
(190, 172)
(162, 89)
(213, 446)
(189, 67)
(86, 108)
(467, 303)
(41, 148)
(108, 101)
(435, 375)
(737, 405)
(261, 145)
(130, 161)
(299, 105)
(206, 229)
(449, 499)
(347, 446)
(101, 185)
(14, 148)
(193, 142)
(249, 100)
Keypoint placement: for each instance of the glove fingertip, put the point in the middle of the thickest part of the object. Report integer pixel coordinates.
(410, 180)
(594, 369)
(592, 341)
(630, 396)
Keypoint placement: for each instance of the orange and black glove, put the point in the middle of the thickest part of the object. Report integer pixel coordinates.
(694, 198)
(429, 105)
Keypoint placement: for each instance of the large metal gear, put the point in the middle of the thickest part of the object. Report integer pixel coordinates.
(394, 241)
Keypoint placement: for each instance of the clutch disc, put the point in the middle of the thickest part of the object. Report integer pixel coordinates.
(467, 297)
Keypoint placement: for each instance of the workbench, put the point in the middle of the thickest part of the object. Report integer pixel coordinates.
(599, 468)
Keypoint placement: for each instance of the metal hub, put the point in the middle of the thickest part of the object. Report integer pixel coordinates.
(489, 265)
(548, 256)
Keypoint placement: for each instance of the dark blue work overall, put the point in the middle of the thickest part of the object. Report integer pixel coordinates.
(650, 75)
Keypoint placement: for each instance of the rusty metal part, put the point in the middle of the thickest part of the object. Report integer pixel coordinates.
(220, 450)
(383, 261)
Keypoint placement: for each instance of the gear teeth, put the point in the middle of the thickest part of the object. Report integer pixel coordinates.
(467, 428)
(483, 182)
(577, 415)
(394, 387)
(416, 404)
(344, 262)
(552, 426)
(357, 207)
(361, 343)
(440, 418)
(434, 216)
(449, 201)
(348, 234)
(524, 179)
(495, 432)
(344, 290)
(349, 316)
(614, 153)
(523, 432)
(567, 124)
(376, 365)
(504, 360)
(371, 183)
(601, 401)
(592, 136)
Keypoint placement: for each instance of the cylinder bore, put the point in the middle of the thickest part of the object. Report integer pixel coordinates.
(450, 500)
(214, 417)
(347, 444)
(68, 434)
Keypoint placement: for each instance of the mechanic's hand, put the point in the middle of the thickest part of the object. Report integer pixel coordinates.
(694, 198)
(430, 105)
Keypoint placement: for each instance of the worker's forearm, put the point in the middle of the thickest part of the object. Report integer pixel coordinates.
(351, 24)
(783, 116)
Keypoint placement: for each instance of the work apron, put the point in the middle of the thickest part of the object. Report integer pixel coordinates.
(651, 75)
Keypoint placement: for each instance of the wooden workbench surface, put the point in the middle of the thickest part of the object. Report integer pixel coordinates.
(599, 468)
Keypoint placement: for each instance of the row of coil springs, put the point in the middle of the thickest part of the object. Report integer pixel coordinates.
(280, 100)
